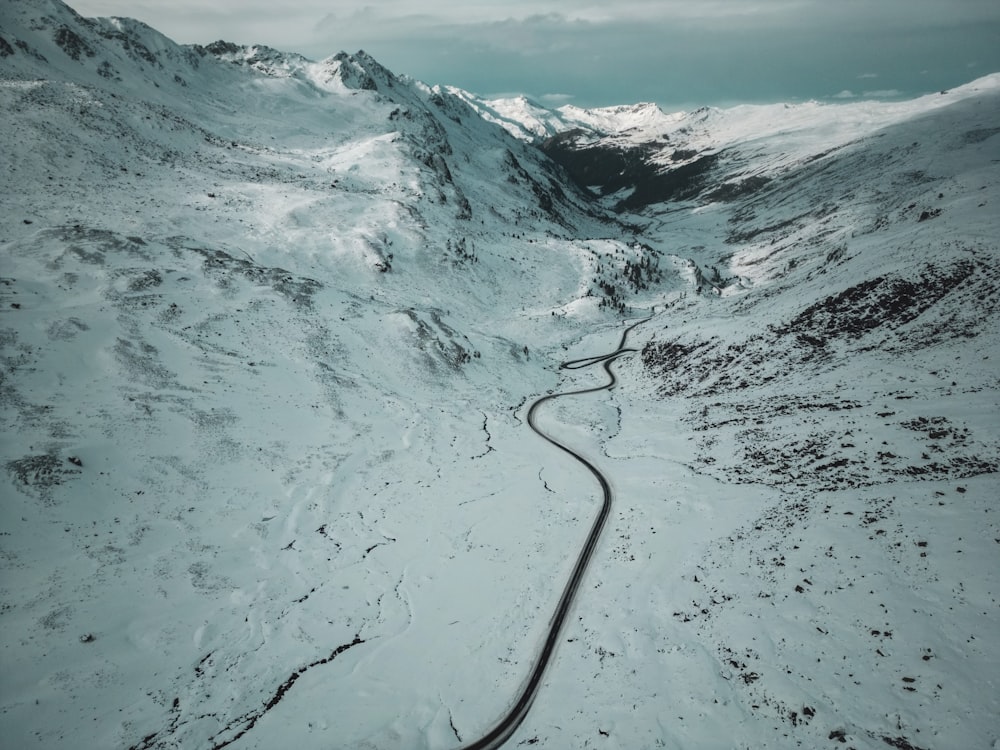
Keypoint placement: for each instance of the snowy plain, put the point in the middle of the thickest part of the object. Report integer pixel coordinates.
(270, 331)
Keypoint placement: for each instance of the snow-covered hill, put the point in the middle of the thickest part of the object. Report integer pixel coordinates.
(269, 330)
(835, 379)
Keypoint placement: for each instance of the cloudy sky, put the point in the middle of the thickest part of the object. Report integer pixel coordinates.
(677, 53)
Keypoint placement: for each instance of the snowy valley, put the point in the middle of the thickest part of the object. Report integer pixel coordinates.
(270, 332)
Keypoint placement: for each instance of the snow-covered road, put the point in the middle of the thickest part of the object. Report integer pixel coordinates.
(510, 721)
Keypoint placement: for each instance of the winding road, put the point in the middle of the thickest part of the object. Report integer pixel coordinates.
(509, 722)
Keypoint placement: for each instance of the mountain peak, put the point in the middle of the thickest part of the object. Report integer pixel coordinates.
(260, 57)
(53, 35)
(361, 71)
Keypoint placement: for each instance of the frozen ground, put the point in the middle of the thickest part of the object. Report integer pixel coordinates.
(270, 329)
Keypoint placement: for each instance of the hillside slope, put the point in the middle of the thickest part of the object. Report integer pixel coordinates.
(265, 323)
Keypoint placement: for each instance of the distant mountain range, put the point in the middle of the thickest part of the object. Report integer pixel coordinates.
(270, 331)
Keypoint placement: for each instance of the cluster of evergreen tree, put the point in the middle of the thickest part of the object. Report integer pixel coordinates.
(636, 275)
(461, 251)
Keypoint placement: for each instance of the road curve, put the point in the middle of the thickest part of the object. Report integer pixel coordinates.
(509, 722)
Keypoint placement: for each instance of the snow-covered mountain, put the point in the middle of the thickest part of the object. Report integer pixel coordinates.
(638, 155)
(270, 330)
